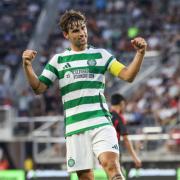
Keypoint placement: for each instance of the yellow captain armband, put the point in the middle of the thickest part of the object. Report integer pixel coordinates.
(116, 67)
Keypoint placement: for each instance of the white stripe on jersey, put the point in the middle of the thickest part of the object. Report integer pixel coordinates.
(81, 63)
(81, 93)
(86, 123)
(49, 74)
(80, 108)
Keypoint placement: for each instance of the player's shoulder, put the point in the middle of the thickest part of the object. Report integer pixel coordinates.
(114, 115)
(96, 49)
(90, 47)
(58, 56)
(66, 52)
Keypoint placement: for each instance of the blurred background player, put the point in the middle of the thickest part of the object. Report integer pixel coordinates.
(118, 105)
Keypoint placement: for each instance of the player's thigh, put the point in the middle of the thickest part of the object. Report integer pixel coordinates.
(104, 139)
(79, 152)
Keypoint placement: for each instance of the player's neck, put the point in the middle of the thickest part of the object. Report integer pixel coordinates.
(79, 48)
(116, 109)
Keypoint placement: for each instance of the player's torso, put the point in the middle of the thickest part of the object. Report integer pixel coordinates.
(81, 70)
(82, 81)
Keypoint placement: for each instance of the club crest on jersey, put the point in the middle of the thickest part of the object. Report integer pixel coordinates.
(91, 62)
(67, 65)
(71, 162)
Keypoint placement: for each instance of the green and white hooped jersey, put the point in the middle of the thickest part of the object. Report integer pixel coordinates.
(81, 78)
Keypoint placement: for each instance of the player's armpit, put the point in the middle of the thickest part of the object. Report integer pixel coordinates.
(116, 67)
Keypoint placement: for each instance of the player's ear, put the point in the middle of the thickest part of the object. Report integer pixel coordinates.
(65, 34)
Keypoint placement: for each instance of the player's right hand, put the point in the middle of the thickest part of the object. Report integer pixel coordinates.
(28, 56)
(138, 162)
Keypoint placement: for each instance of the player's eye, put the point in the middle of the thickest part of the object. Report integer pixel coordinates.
(75, 31)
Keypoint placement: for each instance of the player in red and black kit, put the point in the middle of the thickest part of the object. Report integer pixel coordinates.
(118, 104)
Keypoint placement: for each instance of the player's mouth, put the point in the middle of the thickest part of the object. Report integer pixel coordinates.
(82, 40)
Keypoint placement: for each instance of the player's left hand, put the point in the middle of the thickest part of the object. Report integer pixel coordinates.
(139, 44)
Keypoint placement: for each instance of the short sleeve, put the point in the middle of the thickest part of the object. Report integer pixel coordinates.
(50, 72)
(108, 58)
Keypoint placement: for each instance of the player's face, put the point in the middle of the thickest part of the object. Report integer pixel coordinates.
(123, 106)
(77, 35)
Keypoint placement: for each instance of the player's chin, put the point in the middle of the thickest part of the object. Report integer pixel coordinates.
(84, 43)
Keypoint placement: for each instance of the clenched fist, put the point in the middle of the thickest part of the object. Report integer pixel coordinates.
(28, 56)
(139, 44)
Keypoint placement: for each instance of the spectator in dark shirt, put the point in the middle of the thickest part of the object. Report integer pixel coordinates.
(118, 104)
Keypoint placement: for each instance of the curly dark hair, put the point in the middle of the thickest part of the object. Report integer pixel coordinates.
(69, 18)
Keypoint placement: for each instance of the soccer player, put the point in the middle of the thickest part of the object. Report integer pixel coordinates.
(118, 105)
(80, 70)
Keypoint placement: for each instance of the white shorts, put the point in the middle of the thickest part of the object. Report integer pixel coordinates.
(81, 148)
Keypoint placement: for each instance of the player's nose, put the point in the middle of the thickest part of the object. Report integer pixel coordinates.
(81, 33)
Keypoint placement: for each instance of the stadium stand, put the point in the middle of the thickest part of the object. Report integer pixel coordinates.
(113, 35)
(17, 24)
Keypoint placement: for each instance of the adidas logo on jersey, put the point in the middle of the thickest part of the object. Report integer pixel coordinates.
(115, 147)
(67, 66)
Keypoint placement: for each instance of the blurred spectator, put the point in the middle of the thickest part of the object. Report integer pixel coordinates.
(4, 164)
(100, 4)
(50, 103)
(28, 164)
(5, 156)
(5, 96)
(173, 144)
(37, 106)
(17, 21)
(24, 103)
(157, 98)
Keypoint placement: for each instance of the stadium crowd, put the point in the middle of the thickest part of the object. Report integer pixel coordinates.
(115, 24)
(156, 102)
(18, 20)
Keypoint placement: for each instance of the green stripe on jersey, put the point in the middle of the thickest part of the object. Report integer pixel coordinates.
(86, 129)
(91, 69)
(84, 116)
(52, 69)
(77, 57)
(81, 85)
(80, 101)
(45, 80)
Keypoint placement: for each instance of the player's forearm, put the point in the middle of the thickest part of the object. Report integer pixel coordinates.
(130, 148)
(31, 77)
(130, 72)
(134, 67)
